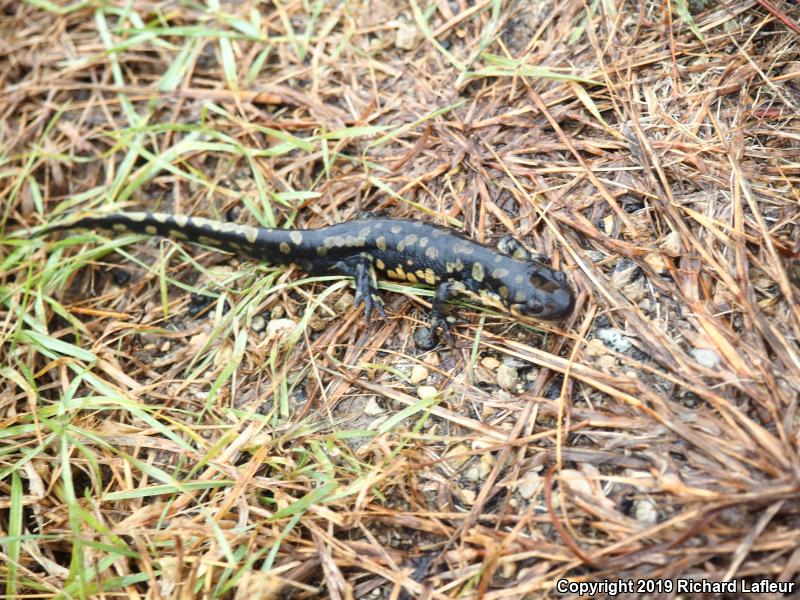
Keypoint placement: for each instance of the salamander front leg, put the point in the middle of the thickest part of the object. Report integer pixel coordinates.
(425, 339)
(511, 246)
(366, 287)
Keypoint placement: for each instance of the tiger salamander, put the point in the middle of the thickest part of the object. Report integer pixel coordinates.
(403, 250)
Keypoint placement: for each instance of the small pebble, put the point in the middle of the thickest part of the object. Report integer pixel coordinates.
(485, 465)
(614, 339)
(529, 484)
(456, 456)
(608, 225)
(595, 347)
(484, 375)
(671, 244)
(606, 362)
(277, 312)
(490, 362)
(473, 473)
(258, 324)
(317, 323)
(406, 36)
(427, 392)
(418, 374)
(372, 408)
(121, 277)
(507, 378)
(576, 481)
(706, 357)
(467, 496)
(432, 359)
(645, 512)
(657, 262)
(278, 328)
(595, 256)
(636, 291)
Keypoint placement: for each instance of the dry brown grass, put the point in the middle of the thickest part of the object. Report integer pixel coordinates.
(150, 452)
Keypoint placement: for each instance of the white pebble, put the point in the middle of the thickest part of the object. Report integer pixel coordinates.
(507, 378)
(418, 374)
(706, 357)
(278, 328)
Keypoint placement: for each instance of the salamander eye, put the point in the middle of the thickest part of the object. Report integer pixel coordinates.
(534, 307)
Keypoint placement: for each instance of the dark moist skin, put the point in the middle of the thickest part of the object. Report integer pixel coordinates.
(403, 250)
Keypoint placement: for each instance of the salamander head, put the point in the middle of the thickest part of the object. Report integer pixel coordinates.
(541, 292)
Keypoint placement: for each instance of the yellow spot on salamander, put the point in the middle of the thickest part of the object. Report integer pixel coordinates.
(488, 298)
(119, 227)
(411, 278)
(391, 274)
(519, 297)
(296, 237)
(150, 230)
(322, 250)
(459, 265)
(519, 279)
(379, 263)
(449, 266)
(499, 273)
(430, 277)
(503, 291)
(478, 272)
(136, 216)
(423, 241)
(462, 247)
(250, 233)
(431, 252)
(160, 217)
(380, 243)
(285, 248)
(178, 234)
(396, 229)
(180, 220)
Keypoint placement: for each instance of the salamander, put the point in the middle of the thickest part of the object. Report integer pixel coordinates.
(510, 278)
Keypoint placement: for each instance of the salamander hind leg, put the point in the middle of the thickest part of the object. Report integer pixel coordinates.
(366, 286)
(425, 339)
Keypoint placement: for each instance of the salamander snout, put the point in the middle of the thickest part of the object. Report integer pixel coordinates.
(545, 294)
(551, 306)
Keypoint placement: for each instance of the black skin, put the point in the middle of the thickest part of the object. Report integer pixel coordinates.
(396, 249)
